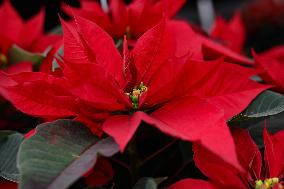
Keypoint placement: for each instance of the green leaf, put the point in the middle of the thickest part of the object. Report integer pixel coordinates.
(266, 104)
(56, 30)
(58, 55)
(146, 183)
(266, 110)
(9, 145)
(17, 54)
(257, 79)
(274, 124)
(59, 153)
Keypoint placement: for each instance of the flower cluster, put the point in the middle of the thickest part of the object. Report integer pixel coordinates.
(118, 68)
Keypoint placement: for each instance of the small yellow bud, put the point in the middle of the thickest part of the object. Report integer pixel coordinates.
(3, 59)
(268, 183)
(258, 184)
(144, 88)
(275, 180)
(135, 94)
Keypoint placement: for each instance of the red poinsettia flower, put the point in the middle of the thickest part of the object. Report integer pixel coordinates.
(134, 19)
(226, 40)
(212, 50)
(271, 63)
(120, 19)
(27, 35)
(259, 175)
(231, 33)
(184, 98)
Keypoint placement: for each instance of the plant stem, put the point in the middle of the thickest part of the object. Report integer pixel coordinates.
(121, 163)
(159, 151)
(135, 162)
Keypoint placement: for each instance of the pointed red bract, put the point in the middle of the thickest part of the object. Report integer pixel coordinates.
(151, 50)
(274, 153)
(119, 19)
(212, 50)
(226, 40)
(271, 63)
(249, 157)
(98, 49)
(32, 97)
(11, 25)
(223, 175)
(187, 41)
(181, 97)
(231, 34)
(28, 35)
(227, 96)
(33, 28)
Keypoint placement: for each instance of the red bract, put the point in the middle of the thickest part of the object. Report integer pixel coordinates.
(212, 50)
(121, 19)
(227, 40)
(101, 174)
(7, 184)
(259, 175)
(10, 113)
(133, 19)
(271, 63)
(28, 35)
(231, 33)
(184, 98)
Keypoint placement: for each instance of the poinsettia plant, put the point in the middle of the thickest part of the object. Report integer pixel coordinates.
(131, 97)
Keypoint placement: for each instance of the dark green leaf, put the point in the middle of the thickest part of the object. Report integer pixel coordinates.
(266, 104)
(60, 153)
(146, 183)
(17, 54)
(59, 54)
(255, 127)
(257, 79)
(5, 133)
(56, 30)
(9, 145)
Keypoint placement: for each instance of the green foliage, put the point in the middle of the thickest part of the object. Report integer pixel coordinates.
(59, 154)
(9, 145)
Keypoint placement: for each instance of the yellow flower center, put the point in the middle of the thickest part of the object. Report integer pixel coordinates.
(268, 184)
(3, 59)
(135, 94)
(127, 32)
